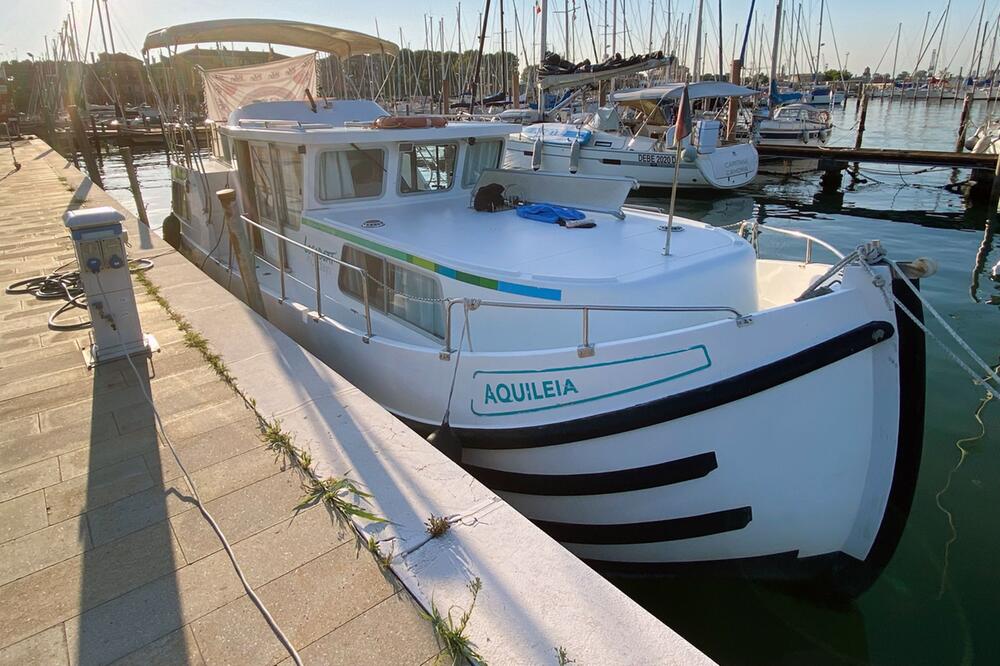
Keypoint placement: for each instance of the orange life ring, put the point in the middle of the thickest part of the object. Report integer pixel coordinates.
(410, 122)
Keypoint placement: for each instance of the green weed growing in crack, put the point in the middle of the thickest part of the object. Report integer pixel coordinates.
(437, 525)
(451, 632)
(337, 494)
(382, 558)
(562, 657)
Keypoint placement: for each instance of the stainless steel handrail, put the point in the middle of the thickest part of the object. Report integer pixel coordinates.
(586, 348)
(317, 256)
(810, 240)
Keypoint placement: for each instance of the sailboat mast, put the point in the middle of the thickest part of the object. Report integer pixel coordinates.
(504, 78)
(652, 9)
(775, 47)
(722, 64)
(819, 40)
(697, 43)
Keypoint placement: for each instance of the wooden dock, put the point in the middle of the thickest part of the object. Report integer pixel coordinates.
(843, 156)
(103, 554)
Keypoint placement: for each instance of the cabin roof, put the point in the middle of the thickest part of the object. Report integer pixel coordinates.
(341, 121)
(697, 90)
(343, 43)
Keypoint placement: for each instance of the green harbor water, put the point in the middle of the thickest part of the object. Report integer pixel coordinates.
(939, 597)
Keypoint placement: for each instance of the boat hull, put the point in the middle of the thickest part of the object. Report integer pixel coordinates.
(785, 449)
(728, 167)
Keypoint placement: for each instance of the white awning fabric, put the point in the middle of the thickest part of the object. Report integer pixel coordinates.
(282, 80)
(338, 41)
(699, 90)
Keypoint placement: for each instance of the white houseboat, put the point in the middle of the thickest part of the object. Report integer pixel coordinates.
(653, 412)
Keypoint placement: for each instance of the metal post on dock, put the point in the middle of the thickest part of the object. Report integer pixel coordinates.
(240, 242)
(963, 124)
(83, 145)
(864, 116)
(133, 182)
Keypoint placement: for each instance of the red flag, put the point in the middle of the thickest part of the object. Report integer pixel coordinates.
(683, 126)
(538, 7)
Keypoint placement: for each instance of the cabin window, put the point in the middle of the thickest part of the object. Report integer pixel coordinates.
(263, 183)
(288, 175)
(387, 284)
(479, 156)
(277, 184)
(351, 174)
(426, 167)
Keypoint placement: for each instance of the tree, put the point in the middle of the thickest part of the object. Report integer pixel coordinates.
(836, 75)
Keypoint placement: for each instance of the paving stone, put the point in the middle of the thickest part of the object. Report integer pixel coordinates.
(148, 613)
(62, 591)
(46, 648)
(37, 550)
(138, 511)
(108, 452)
(240, 514)
(22, 515)
(62, 394)
(178, 393)
(275, 551)
(390, 633)
(207, 448)
(33, 448)
(28, 478)
(19, 427)
(181, 402)
(177, 647)
(198, 422)
(97, 488)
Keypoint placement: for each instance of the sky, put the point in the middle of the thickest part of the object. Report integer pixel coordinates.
(863, 31)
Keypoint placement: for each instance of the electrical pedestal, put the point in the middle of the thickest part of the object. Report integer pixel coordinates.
(99, 242)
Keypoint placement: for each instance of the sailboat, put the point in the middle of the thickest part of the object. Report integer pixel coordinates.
(656, 410)
(796, 123)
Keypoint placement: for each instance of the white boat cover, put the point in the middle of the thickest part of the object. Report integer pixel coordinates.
(699, 90)
(230, 88)
(338, 41)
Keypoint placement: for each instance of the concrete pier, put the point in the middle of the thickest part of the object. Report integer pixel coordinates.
(105, 558)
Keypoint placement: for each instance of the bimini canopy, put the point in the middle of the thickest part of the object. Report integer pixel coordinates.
(343, 43)
(700, 90)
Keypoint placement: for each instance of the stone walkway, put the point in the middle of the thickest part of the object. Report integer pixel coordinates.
(103, 555)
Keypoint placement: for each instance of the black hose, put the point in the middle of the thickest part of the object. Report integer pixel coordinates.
(65, 286)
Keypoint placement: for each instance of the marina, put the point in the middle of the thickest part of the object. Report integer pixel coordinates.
(611, 335)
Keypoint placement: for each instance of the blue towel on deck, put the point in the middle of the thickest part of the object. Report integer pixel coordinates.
(549, 213)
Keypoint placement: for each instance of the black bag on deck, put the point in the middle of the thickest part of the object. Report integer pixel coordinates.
(489, 198)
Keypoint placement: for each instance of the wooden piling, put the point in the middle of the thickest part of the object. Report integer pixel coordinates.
(857, 100)
(963, 124)
(995, 191)
(83, 146)
(861, 120)
(735, 76)
(133, 182)
(239, 241)
(94, 133)
(445, 95)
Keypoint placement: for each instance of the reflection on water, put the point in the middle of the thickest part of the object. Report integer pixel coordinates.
(916, 613)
